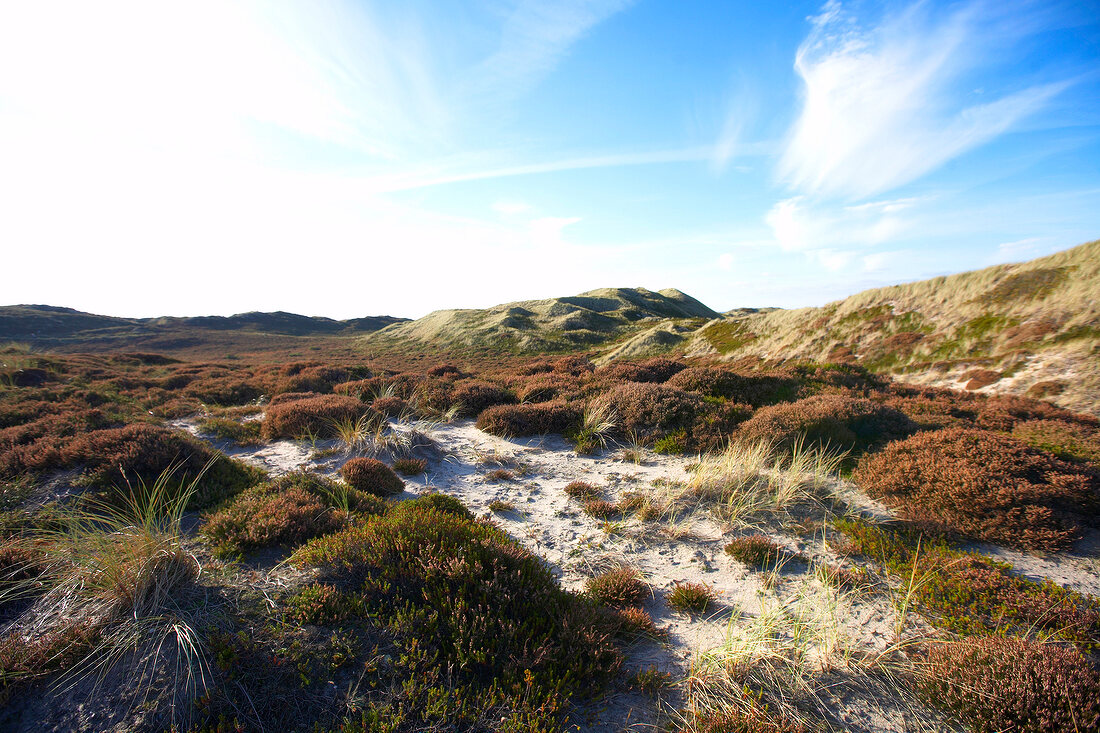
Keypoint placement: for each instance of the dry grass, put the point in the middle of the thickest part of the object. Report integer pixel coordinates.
(747, 482)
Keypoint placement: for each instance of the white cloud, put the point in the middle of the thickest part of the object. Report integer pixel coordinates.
(883, 106)
(798, 224)
(511, 208)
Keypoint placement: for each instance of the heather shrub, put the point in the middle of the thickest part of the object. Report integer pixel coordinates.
(139, 454)
(372, 476)
(984, 486)
(1067, 440)
(410, 466)
(514, 627)
(601, 509)
(389, 406)
(310, 415)
(547, 387)
(285, 397)
(828, 420)
(751, 389)
(649, 370)
(581, 490)
(449, 371)
(308, 378)
(651, 410)
(757, 551)
(1004, 412)
(1004, 684)
(530, 419)
(242, 433)
(222, 390)
(261, 517)
(618, 588)
(477, 396)
(690, 597)
(632, 622)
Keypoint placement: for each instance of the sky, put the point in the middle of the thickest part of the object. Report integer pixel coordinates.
(350, 158)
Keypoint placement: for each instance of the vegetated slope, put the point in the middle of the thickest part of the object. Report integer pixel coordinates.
(1032, 327)
(555, 324)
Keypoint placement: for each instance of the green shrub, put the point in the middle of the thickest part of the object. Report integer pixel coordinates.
(984, 486)
(372, 476)
(442, 503)
(1067, 440)
(1002, 684)
(476, 601)
(410, 466)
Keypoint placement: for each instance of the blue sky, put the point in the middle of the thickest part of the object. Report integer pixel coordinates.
(359, 158)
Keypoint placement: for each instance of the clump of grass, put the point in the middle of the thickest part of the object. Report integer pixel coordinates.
(984, 486)
(597, 424)
(500, 474)
(690, 597)
(581, 490)
(372, 476)
(358, 435)
(410, 466)
(601, 509)
(1001, 684)
(111, 578)
(618, 588)
(757, 551)
(748, 480)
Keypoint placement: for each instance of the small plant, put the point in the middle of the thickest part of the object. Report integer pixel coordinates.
(650, 680)
(633, 622)
(618, 588)
(499, 506)
(581, 490)
(601, 509)
(757, 551)
(241, 433)
(597, 424)
(357, 435)
(410, 466)
(372, 476)
(500, 474)
(690, 597)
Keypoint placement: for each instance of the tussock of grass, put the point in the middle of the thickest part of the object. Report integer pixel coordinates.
(690, 597)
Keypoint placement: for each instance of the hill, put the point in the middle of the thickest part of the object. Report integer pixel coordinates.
(1032, 327)
(591, 319)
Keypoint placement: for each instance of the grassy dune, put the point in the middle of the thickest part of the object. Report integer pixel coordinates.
(1020, 328)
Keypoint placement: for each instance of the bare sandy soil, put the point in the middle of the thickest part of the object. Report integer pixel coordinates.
(843, 643)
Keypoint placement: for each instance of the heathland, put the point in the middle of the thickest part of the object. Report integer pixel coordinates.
(614, 511)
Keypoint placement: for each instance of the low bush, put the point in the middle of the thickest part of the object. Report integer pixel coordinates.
(442, 503)
(757, 551)
(311, 415)
(260, 518)
(984, 486)
(653, 410)
(474, 397)
(514, 627)
(690, 597)
(833, 421)
(138, 454)
(750, 389)
(1068, 440)
(529, 419)
(389, 406)
(410, 466)
(581, 490)
(242, 433)
(650, 370)
(1003, 684)
(372, 476)
(601, 509)
(618, 588)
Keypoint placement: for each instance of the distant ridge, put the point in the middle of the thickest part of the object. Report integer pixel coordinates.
(590, 319)
(51, 323)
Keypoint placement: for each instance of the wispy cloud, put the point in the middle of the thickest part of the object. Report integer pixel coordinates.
(885, 105)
